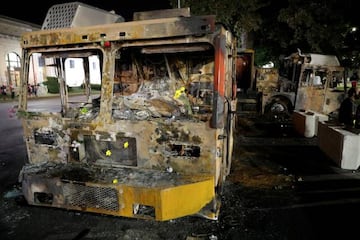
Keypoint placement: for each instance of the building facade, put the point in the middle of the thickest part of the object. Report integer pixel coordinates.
(10, 49)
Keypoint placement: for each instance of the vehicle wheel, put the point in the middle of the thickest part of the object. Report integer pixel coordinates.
(278, 108)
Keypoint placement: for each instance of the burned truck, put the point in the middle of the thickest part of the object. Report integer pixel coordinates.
(142, 126)
(308, 82)
(302, 81)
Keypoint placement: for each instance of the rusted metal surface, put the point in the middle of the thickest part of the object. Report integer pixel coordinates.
(164, 109)
(165, 13)
(267, 79)
(318, 92)
(147, 29)
(267, 82)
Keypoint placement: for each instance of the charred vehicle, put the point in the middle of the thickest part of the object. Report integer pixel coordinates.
(302, 82)
(149, 134)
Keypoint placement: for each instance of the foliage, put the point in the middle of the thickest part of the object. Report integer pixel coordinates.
(317, 26)
(239, 16)
(283, 26)
(96, 87)
(263, 56)
(52, 84)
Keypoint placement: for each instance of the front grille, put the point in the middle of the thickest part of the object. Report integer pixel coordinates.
(77, 195)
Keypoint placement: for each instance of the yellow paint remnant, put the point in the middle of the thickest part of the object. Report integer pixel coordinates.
(179, 92)
(108, 153)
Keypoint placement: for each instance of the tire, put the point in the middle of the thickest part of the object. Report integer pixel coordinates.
(278, 108)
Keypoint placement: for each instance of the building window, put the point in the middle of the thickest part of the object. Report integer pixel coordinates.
(41, 62)
(12, 60)
(13, 69)
(72, 63)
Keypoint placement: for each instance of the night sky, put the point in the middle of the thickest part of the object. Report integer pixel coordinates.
(35, 11)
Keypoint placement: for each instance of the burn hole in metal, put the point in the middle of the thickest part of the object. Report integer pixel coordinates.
(47, 137)
(122, 151)
(43, 198)
(143, 210)
(185, 150)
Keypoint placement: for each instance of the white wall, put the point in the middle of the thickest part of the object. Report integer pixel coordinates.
(7, 45)
(10, 37)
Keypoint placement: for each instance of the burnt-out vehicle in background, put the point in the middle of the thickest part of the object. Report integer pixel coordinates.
(302, 81)
(151, 134)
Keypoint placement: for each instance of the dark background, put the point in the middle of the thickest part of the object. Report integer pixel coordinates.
(35, 12)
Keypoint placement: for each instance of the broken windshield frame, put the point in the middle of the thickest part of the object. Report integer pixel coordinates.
(72, 80)
(170, 82)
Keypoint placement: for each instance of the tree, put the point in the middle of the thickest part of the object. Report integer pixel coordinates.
(241, 17)
(274, 28)
(316, 25)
